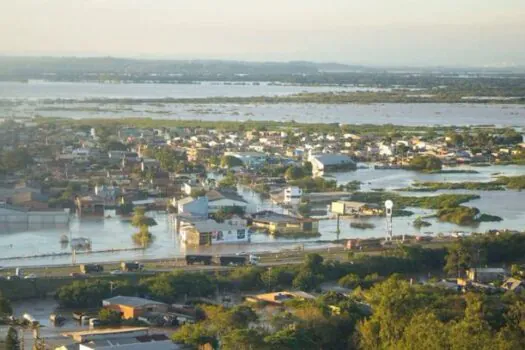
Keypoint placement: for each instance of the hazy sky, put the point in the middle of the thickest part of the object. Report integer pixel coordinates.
(378, 32)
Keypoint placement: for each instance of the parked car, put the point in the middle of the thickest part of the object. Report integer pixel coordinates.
(31, 276)
(116, 272)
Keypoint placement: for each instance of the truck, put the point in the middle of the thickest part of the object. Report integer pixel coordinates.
(131, 266)
(90, 268)
(195, 259)
(237, 260)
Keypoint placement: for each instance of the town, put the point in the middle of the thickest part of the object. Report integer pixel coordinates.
(56, 171)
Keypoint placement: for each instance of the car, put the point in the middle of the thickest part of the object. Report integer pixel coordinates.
(13, 277)
(116, 272)
(30, 276)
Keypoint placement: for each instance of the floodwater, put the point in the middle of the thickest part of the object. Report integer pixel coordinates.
(29, 103)
(112, 233)
(77, 90)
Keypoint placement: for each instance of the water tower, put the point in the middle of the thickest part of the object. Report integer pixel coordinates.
(389, 205)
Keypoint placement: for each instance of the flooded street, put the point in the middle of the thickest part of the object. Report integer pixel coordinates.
(112, 233)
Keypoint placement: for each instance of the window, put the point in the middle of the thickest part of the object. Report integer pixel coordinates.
(241, 234)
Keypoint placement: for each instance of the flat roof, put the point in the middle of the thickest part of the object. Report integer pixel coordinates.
(131, 301)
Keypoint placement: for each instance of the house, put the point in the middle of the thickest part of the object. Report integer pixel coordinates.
(206, 232)
(355, 208)
(133, 307)
(249, 159)
(331, 162)
(485, 275)
(90, 205)
(193, 206)
(224, 200)
(282, 224)
(121, 339)
(196, 154)
(292, 195)
(514, 285)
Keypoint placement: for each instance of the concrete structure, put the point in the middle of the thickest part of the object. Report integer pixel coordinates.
(279, 298)
(206, 232)
(331, 162)
(283, 224)
(486, 275)
(355, 208)
(292, 195)
(22, 218)
(90, 205)
(121, 339)
(133, 307)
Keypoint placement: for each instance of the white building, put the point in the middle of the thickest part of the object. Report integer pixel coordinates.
(292, 195)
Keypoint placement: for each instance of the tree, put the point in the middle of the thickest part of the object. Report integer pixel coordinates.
(425, 163)
(230, 162)
(294, 173)
(12, 342)
(5, 307)
(142, 222)
(110, 317)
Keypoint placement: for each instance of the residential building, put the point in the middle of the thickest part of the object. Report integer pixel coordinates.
(133, 307)
(224, 200)
(486, 275)
(355, 208)
(292, 195)
(210, 232)
(90, 205)
(283, 224)
(192, 206)
(249, 159)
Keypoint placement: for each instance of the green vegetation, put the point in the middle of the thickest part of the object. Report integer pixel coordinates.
(419, 223)
(481, 250)
(230, 162)
(474, 186)
(142, 222)
(14, 160)
(5, 307)
(430, 202)
(362, 225)
(12, 341)
(425, 163)
(315, 184)
(512, 182)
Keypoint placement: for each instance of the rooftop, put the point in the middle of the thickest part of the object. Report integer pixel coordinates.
(130, 301)
(333, 159)
(212, 225)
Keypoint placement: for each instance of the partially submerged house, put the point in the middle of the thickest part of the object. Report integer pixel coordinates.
(133, 307)
(355, 208)
(284, 224)
(208, 232)
(331, 162)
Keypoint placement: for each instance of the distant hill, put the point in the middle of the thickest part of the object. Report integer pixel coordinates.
(36, 66)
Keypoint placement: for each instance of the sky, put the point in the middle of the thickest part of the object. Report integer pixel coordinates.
(371, 32)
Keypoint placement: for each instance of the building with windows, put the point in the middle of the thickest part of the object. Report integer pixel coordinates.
(210, 232)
